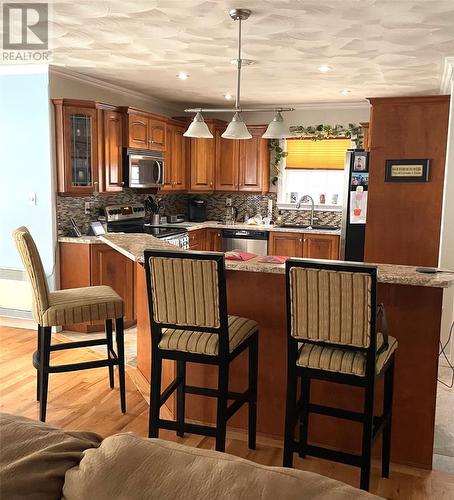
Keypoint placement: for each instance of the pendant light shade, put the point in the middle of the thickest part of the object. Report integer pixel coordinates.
(277, 129)
(236, 129)
(198, 128)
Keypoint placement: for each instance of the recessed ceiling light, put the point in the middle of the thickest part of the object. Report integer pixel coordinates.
(324, 68)
(182, 75)
(345, 91)
(227, 96)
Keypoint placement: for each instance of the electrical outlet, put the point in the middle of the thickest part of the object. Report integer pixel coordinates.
(88, 206)
(228, 202)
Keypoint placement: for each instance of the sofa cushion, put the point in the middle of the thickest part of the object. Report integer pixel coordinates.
(129, 467)
(35, 456)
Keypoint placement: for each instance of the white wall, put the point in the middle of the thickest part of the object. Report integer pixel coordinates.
(447, 233)
(26, 166)
(329, 114)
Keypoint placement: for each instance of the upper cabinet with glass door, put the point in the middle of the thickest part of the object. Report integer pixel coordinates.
(76, 127)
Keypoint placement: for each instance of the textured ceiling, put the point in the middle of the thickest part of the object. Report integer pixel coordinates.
(377, 47)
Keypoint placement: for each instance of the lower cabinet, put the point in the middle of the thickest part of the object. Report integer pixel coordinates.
(98, 264)
(307, 245)
(197, 239)
(321, 246)
(209, 239)
(213, 241)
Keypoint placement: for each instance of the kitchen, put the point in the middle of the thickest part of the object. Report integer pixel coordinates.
(113, 171)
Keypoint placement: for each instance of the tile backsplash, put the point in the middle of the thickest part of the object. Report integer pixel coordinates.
(247, 205)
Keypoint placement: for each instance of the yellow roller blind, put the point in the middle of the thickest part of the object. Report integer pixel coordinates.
(325, 154)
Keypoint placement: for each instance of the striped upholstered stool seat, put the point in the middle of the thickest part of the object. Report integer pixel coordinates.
(342, 361)
(207, 343)
(77, 305)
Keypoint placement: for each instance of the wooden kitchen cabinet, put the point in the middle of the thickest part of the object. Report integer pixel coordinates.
(242, 165)
(197, 239)
(227, 162)
(321, 246)
(307, 245)
(213, 240)
(254, 162)
(285, 244)
(203, 160)
(111, 166)
(144, 130)
(84, 265)
(76, 128)
(176, 159)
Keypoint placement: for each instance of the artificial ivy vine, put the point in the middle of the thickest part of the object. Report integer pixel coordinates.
(316, 133)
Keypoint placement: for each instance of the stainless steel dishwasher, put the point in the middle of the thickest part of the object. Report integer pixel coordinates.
(245, 240)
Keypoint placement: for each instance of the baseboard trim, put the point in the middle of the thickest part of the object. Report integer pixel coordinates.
(26, 323)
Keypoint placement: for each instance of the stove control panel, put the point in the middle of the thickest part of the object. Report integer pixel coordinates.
(124, 212)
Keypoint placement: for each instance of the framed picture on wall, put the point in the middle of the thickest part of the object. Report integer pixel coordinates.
(407, 170)
(360, 161)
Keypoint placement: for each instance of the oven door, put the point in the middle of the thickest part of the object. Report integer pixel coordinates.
(145, 171)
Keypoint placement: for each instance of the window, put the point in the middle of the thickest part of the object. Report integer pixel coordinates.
(315, 168)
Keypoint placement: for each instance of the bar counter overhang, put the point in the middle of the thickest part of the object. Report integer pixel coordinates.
(413, 304)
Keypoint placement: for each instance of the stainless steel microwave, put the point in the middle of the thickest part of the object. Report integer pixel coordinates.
(144, 169)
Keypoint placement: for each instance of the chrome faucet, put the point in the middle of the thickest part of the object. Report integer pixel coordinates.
(304, 198)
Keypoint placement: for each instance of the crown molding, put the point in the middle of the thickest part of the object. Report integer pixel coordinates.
(119, 89)
(447, 78)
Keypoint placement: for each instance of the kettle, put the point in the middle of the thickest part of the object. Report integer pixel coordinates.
(231, 214)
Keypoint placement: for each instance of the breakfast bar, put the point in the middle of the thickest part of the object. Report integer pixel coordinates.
(413, 303)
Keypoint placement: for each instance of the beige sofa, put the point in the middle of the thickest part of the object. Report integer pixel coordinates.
(39, 462)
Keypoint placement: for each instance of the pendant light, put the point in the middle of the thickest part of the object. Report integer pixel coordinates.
(198, 128)
(277, 129)
(237, 129)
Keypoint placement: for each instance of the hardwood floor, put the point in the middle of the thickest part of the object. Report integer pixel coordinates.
(84, 401)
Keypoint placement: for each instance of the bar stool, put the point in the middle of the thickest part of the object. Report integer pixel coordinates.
(189, 323)
(74, 305)
(332, 318)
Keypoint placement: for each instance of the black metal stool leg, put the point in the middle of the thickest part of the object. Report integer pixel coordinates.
(38, 390)
(366, 454)
(181, 396)
(291, 415)
(44, 357)
(305, 397)
(253, 375)
(221, 419)
(119, 336)
(155, 394)
(387, 411)
(109, 350)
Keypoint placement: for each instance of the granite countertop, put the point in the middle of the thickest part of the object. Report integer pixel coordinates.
(193, 226)
(133, 246)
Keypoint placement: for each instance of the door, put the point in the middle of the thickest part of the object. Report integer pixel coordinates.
(81, 146)
(321, 246)
(227, 151)
(112, 167)
(109, 267)
(138, 134)
(285, 244)
(254, 162)
(156, 134)
(202, 164)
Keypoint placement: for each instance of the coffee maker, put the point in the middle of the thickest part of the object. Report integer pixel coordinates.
(197, 209)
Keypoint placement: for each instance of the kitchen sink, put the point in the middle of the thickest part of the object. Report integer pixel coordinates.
(308, 226)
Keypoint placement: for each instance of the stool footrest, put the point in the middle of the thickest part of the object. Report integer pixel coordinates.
(243, 398)
(336, 412)
(328, 454)
(85, 365)
(79, 343)
(169, 389)
(204, 430)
